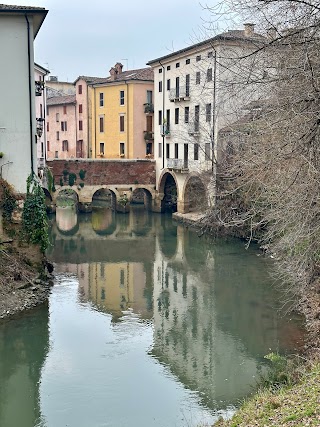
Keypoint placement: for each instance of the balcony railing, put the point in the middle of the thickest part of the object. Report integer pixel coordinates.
(179, 93)
(194, 128)
(148, 108)
(165, 130)
(148, 135)
(178, 164)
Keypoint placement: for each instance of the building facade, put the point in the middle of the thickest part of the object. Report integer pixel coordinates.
(197, 91)
(19, 26)
(122, 114)
(40, 106)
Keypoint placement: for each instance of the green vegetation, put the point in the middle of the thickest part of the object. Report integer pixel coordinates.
(34, 217)
(286, 406)
(72, 178)
(82, 174)
(7, 200)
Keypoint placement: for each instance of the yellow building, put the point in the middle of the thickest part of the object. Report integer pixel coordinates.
(122, 114)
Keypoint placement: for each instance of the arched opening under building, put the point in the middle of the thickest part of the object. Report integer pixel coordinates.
(141, 196)
(168, 186)
(195, 195)
(67, 198)
(104, 198)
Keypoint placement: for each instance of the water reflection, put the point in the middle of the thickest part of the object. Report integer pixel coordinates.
(23, 349)
(213, 307)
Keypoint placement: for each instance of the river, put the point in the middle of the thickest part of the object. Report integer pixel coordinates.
(147, 325)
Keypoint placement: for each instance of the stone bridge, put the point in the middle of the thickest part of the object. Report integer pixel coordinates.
(124, 178)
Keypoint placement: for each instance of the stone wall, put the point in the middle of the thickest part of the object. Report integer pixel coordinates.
(105, 172)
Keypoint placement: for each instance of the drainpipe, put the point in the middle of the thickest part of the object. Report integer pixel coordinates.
(75, 115)
(127, 118)
(95, 123)
(30, 94)
(163, 105)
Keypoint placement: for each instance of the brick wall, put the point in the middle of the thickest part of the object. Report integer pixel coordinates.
(106, 172)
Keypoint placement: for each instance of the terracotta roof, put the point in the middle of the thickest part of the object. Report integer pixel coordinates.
(228, 35)
(141, 74)
(62, 100)
(15, 7)
(87, 79)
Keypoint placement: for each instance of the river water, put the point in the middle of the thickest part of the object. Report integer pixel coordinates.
(147, 325)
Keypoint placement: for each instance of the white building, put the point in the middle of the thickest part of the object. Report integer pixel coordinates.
(19, 25)
(198, 90)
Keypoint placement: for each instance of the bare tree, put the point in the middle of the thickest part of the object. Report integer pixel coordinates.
(268, 172)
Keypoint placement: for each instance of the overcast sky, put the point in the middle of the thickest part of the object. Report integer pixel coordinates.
(87, 38)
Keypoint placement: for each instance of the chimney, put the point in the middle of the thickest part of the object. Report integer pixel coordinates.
(113, 73)
(248, 30)
(118, 67)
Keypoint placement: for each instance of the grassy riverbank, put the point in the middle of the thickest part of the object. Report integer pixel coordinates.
(296, 405)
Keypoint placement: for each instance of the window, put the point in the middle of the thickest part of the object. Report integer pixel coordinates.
(103, 293)
(149, 96)
(101, 147)
(41, 111)
(122, 148)
(48, 145)
(176, 151)
(187, 61)
(177, 87)
(79, 148)
(121, 97)
(167, 151)
(47, 108)
(210, 54)
(64, 126)
(209, 74)
(58, 136)
(160, 117)
(47, 126)
(198, 58)
(188, 85)
(57, 117)
(80, 125)
(176, 116)
(149, 148)
(168, 119)
(196, 117)
(56, 156)
(160, 86)
(101, 99)
(101, 124)
(80, 108)
(196, 151)
(160, 150)
(121, 123)
(186, 114)
(197, 77)
(149, 123)
(177, 64)
(160, 70)
(64, 109)
(168, 68)
(65, 145)
(168, 84)
(80, 89)
(208, 112)
(207, 150)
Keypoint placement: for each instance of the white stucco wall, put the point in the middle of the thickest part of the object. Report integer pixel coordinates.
(14, 101)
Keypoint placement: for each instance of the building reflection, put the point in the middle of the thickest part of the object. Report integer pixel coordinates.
(23, 349)
(213, 307)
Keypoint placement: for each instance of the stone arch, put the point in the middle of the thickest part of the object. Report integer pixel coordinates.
(195, 193)
(104, 198)
(67, 195)
(167, 237)
(143, 196)
(168, 186)
(67, 220)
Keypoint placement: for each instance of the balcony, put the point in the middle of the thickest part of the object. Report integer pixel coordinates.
(179, 94)
(148, 135)
(177, 164)
(148, 108)
(193, 129)
(39, 87)
(165, 130)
